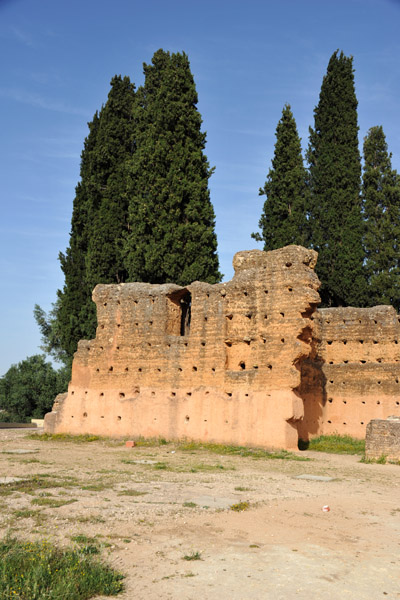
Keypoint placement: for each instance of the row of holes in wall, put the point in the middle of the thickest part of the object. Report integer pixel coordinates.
(203, 344)
(352, 403)
(172, 394)
(330, 342)
(378, 382)
(241, 364)
(360, 321)
(229, 317)
(362, 361)
(119, 418)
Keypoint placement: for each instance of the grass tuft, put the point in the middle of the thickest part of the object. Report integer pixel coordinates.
(334, 444)
(39, 570)
(240, 506)
(192, 556)
(64, 437)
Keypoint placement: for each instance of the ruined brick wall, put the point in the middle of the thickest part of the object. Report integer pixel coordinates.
(208, 362)
(383, 439)
(353, 373)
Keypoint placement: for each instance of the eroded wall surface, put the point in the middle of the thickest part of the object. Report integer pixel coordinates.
(383, 439)
(207, 362)
(353, 373)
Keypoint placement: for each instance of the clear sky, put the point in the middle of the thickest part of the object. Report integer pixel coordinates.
(248, 59)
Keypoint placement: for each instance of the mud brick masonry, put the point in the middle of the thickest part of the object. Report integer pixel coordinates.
(251, 361)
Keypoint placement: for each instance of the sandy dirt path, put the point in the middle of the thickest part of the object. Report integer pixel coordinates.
(150, 507)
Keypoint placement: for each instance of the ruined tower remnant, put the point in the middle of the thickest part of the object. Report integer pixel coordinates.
(217, 363)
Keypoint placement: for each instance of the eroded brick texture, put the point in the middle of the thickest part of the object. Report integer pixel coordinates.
(207, 362)
(383, 439)
(352, 375)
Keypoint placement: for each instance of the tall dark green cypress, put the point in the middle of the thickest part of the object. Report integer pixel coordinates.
(171, 219)
(283, 220)
(381, 197)
(98, 225)
(108, 199)
(335, 174)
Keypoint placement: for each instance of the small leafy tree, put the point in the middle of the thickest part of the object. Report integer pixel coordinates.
(29, 388)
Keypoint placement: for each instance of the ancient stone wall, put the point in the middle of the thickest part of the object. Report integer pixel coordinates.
(383, 439)
(207, 362)
(353, 373)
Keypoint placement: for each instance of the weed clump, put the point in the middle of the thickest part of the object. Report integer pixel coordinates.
(37, 570)
(240, 506)
(334, 444)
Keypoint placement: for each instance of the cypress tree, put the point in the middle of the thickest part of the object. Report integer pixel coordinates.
(335, 171)
(381, 197)
(171, 219)
(283, 220)
(99, 222)
(108, 200)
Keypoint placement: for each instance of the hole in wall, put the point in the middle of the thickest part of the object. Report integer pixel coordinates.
(187, 418)
(269, 367)
(173, 393)
(248, 315)
(290, 289)
(282, 314)
(101, 326)
(126, 369)
(153, 393)
(330, 400)
(119, 418)
(344, 401)
(375, 341)
(288, 264)
(72, 393)
(97, 370)
(121, 395)
(102, 417)
(229, 394)
(140, 369)
(265, 291)
(329, 421)
(203, 343)
(245, 293)
(242, 365)
(101, 394)
(188, 393)
(378, 401)
(111, 368)
(283, 340)
(329, 342)
(213, 369)
(85, 414)
(194, 368)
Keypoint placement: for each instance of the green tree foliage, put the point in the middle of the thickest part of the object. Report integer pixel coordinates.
(142, 209)
(29, 389)
(99, 222)
(381, 197)
(171, 219)
(283, 220)
(335, 217)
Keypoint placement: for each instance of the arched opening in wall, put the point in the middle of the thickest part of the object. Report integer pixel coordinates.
(179, 308)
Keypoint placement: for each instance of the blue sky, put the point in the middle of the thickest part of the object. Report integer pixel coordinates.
(248, 59)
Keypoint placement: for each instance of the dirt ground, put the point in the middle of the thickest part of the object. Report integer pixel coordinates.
(150, 507)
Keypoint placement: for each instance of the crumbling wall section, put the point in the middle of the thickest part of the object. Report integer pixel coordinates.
(353, 373)
(207, 362)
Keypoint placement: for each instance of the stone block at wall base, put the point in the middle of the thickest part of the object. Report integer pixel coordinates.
(383, 439)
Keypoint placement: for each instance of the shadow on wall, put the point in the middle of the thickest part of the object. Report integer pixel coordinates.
(312, 390)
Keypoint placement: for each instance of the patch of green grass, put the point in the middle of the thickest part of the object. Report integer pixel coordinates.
(334, 444)
(52, 502)
(192, 556)
(97, 487)
(206, 467)
(240, 488)
(240, 506)
(64, 437)
(131, 493)
(189, 504)
(39, 570)
(160, 466)
(31, 484)
(377, 461)
(88, 519)
(223, 449)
